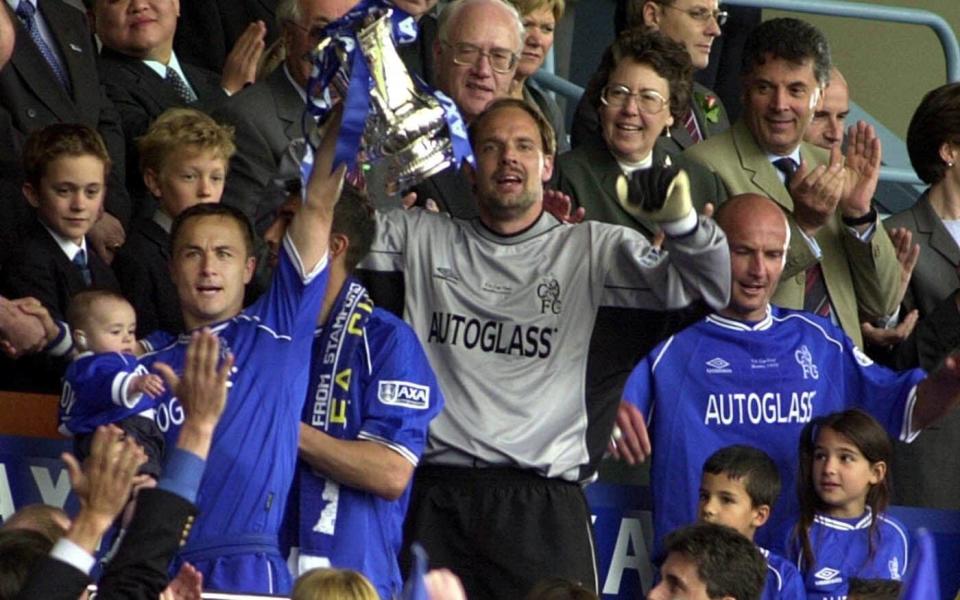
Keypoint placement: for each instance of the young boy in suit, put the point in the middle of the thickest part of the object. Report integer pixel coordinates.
(65, 169)
(184, 158)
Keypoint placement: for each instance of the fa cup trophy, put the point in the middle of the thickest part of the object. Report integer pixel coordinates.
(388, 116)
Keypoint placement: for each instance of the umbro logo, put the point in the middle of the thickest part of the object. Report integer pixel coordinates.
(827, 576)
(718, 365)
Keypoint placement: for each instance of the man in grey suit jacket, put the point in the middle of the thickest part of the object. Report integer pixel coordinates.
(828, 204)
(267, 116)
(32, 96)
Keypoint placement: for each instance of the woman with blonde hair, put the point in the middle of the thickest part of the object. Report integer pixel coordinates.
(540, 18)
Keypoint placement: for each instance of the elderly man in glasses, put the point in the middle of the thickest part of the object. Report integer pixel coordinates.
(476, 53)
(695, 24)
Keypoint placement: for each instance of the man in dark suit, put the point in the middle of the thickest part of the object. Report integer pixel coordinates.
(268, 115)
(143, 76)
(163, 516)
(58, 83)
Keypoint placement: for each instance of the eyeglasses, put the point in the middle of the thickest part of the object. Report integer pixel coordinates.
(648, 101)
(315, 33)
(467, 55)
(702, 14)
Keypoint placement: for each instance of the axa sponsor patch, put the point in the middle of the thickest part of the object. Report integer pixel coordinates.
(404, 393)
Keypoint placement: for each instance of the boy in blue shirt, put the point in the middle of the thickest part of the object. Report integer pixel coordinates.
(739, 487)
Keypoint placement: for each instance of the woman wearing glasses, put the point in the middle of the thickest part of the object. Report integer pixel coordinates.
(645, 82)
(540, 18)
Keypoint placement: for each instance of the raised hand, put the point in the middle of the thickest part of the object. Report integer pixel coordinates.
(862, 170)
(240, 66)
(816, 193)
(560, 205)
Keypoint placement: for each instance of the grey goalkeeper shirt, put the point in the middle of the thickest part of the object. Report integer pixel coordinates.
(506, 323)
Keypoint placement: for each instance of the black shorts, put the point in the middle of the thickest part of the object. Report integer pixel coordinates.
(500, 530)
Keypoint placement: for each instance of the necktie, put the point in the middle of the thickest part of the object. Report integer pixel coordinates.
(787, 167)
(80, 260)
(180, 86)
(690, 123)
(27, 13)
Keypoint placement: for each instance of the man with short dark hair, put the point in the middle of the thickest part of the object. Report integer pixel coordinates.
(710, 562)
(243, 494)
(370, 398)
(503, 305)
(841, 262)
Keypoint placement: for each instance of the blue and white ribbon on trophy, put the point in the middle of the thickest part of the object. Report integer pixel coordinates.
(327, 67)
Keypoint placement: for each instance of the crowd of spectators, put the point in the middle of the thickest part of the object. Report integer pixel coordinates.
(269, 379)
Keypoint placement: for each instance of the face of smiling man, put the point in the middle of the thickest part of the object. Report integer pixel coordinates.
(780, 98)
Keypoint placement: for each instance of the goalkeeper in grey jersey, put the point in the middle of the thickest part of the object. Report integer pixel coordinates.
(505, 305)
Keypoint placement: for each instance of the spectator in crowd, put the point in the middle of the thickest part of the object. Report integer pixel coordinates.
(844, 491)
(709, 562)
(244, 492)
(739, 488)
(18, 550)
(927, 473)
(66, 167)
(164, 515)
(334, 584)
(210, 35)
(52, 78)
(477, 51)
(105, 382)
(496, 325)
(754, 373)
(841, 262)
(830, 119)
(695, 24)
(360, 437)
(184, 158)
(826, 130)
(268, 115)
(540, 18)
(144, 77)
(645, 88)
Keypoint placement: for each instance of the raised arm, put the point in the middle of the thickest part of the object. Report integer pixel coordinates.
(310, 229)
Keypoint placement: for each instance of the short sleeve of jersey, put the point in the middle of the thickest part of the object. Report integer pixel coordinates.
(94, 392)
(402, 395)
(291, 303)
(638, 390)
(887, 395)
